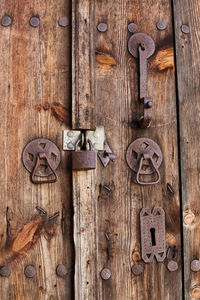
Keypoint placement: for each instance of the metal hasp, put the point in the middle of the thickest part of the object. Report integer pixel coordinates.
(97, 138)
(41, 157)
(142, 46)
(83, 159)
(106, 155)
(152, 228)
(144, 157)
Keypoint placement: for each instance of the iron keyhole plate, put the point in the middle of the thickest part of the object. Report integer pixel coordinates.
(41, 145)
(139, 148)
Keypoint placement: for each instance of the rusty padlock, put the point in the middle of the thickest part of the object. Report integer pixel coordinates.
(83, 159)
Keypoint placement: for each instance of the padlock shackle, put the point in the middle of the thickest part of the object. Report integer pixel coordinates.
(79, 140)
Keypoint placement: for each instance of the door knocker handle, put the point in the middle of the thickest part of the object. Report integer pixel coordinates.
(40, 158)
(141, 150)
(142, 46)
(147, 157)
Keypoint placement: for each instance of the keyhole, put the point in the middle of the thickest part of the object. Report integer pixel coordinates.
(153, 238)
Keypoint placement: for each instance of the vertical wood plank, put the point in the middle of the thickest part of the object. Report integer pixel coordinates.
(115, 106)
(188, 78)
(84, 182)
(35, 102)
(83, 65)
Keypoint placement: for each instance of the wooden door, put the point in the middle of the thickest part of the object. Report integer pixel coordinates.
(73, 76)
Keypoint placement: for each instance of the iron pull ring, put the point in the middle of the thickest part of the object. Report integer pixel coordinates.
(140, 168)
(38, 163)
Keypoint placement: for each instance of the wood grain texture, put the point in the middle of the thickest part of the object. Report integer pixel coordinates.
(35, 98)
(83, 65)
(116, 107)
(188, 76)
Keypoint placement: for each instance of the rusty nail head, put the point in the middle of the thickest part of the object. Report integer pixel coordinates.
(30, 271)
(132, 27)
(5, 271)
(195, 265)
(102, 27)
(34, 21)
(172, 266)
(161, 25)
(137, 269)
(63, 21)
(6, 21)
(185, 29)
(105, 274)
(61, 270)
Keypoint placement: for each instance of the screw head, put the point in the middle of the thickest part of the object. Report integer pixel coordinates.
(34, 21)
(137, 269)
(70, 145)
(172, 266)
(61, 270)
(30, 271)
(63, 21)
(185, 29)
(195, 265)
(102, 27)
(161, 25)
(5, 271)
(6, 21)
(132, 27)
(105, 274)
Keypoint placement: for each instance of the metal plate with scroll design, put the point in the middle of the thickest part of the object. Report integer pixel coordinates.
(152, 227)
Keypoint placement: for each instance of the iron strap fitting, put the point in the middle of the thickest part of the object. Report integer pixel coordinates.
(142, 46)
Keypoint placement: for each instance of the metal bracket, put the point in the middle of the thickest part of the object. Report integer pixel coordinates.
(97, 138)
(106, 155)
(152, 227)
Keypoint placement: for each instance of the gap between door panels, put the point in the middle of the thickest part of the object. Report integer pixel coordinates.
(179, 148)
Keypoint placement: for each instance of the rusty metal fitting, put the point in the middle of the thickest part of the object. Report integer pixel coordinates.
(34, 21)
(61, 270)
(30, 271)
(105, 274)
(195, 265)
(185, 29)
(137, 269)
(6, 21)
(102, 27)
(63, 21)
(5, 271)
(161, 25)
(172, 266)
(132, 27)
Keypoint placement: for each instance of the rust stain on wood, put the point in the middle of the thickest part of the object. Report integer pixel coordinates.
(136, 256)
(60, 112)
(105, 59)
(164, 59)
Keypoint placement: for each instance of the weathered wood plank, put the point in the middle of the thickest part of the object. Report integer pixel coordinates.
(84, 182)
(83, 65)
(116, 107)
(188, 76)
(35, 102)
